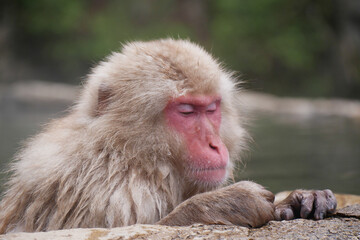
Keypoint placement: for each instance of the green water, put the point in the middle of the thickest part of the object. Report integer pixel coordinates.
(287, 152)
(312, 153)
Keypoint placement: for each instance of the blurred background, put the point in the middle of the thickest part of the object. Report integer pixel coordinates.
(300, 61)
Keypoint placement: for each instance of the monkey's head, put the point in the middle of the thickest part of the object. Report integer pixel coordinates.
(167, 102)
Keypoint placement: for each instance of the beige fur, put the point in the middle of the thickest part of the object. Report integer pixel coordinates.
(112, 162)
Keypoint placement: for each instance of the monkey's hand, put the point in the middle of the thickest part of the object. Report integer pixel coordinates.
(306, 204)
(244, 203)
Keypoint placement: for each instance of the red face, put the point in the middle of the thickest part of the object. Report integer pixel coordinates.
(198, 119)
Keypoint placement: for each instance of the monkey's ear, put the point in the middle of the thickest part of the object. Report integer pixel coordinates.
(104, 95)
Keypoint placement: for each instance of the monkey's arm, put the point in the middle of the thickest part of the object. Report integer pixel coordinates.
(244, 203)
(306, 204)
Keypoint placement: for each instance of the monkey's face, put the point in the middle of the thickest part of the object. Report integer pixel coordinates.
(197, 119)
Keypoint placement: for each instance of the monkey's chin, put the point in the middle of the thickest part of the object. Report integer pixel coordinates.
(210, 176)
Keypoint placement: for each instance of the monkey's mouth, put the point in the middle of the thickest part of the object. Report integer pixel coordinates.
(210, 175)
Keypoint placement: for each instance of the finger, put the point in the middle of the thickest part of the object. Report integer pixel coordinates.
(307, 203)
(331, 201)
(284, 213)
(320, 205)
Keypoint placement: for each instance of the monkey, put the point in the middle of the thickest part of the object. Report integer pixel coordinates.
(152, 139)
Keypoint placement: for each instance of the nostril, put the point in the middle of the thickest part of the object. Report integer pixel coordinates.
(213, 147)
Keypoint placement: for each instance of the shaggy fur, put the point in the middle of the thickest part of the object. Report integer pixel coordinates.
(112, 162)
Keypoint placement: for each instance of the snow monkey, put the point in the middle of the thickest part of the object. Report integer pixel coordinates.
(152, 140)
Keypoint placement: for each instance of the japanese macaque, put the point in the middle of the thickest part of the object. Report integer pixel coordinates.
(152, 140)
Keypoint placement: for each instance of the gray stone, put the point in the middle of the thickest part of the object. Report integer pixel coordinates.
(350, 211)
(344, 225)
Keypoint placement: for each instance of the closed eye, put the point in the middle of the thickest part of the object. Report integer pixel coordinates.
(211, 108)
(186, 113)
(185, 109)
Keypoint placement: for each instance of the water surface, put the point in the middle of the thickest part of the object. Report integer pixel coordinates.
(312, 153)
(288, 152)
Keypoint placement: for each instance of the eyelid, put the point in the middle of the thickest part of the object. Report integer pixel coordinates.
(185, 108)
(212, 107)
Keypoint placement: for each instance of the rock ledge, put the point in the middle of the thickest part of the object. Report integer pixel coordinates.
(344, 225)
